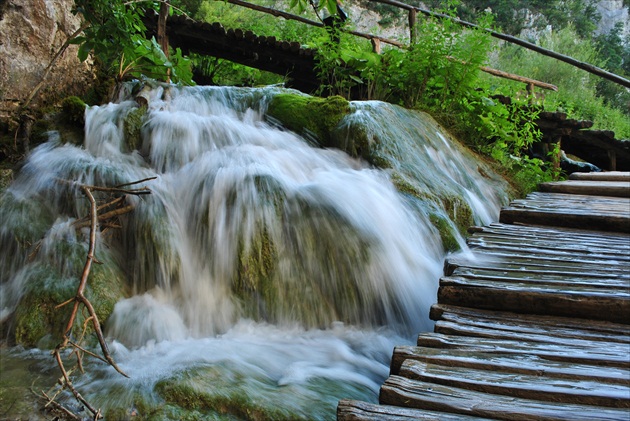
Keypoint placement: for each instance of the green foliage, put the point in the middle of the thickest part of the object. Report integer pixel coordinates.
(441, 67)
(577, 90)
(115, 36)
(616, 53)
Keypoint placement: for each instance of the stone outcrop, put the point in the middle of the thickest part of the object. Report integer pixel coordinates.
(31, 33)
(612, 12)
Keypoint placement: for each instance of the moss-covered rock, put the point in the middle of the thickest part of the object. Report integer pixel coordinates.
(6, 177)
(226, 391)
(132, 127)
(310, 116)
(48, 284)
(449, 214)
(73, 109)
(459, 212)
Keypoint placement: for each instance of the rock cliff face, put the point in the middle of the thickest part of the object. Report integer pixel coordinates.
(613, 11)
(31, 33)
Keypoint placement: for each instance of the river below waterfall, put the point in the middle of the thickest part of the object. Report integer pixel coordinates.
(264, 277)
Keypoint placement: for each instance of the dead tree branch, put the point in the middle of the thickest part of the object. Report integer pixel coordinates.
(81, 301)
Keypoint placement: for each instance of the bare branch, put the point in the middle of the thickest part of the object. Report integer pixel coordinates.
(81, 301)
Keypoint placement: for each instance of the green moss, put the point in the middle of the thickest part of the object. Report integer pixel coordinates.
(207, 391)
(444, 227)
(73, 109)
(450, 214)
(459, 212)
(256, 270)
(228, 390)
(405, 187)
(307, 115)
(132, 127)
(6, 177)
(50, 283)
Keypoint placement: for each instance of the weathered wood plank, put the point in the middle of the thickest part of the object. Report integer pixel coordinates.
(541, 247)
(567, 259)
(495, 263)
(611, 292)
(593, 355)
(544, 278)
(563, 327)
(350, 410)
(451, 328)
(558, 234)
(513, 363)
(601, 176)
(584, 219)
(597, 304)
(538, 387)
(588, 187)
(613, 206)
(562, 237)
(575, 211)
(404, 392)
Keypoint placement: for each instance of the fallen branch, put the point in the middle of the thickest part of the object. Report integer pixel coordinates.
(80, 300)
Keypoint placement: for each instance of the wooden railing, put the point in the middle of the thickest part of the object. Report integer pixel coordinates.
(376, 40)
(413, 11)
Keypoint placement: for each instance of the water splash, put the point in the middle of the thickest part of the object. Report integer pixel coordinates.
(256, 256)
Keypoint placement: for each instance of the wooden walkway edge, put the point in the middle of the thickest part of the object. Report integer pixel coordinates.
(534, 324)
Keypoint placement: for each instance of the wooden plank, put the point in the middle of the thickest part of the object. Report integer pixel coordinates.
(585, 220)
(538, 387)
(446, 327)
(504, 264)
(588, 187)
(602, 281)
(571, 203)
(601, 176)
(509, 363)
(567, 327)
(404, 392)
(612, 292)
(559, 234)
(520, 254)
(515, 244)
(593, 355)
(351, 410)
(597, 304)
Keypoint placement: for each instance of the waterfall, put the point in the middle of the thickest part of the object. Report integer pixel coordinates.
(261, 272)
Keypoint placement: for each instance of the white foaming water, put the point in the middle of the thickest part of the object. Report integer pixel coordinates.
(261, 268)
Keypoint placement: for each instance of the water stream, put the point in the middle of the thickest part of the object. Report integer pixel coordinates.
(263, 277)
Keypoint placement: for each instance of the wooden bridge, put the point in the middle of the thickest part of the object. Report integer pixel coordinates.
(534, 325)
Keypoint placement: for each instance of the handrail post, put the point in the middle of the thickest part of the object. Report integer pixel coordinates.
(376, 45)
(412, 26)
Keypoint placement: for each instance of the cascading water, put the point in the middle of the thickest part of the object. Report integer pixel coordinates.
(262, 277)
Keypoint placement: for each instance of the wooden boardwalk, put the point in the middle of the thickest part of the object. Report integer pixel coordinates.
(534, 324)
